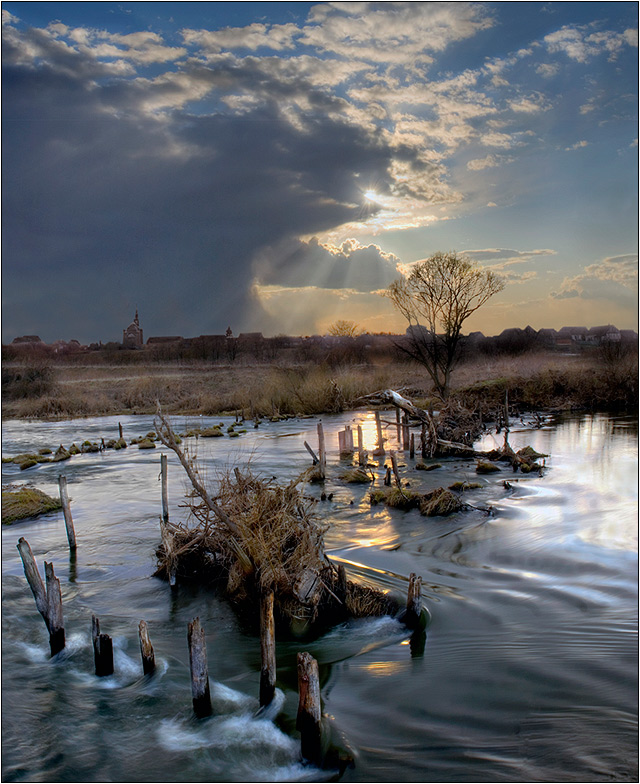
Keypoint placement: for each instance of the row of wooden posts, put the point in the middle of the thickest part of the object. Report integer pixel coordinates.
(309, 720)
(48, 600)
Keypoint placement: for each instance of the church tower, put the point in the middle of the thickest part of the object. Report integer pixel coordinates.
(132, 335)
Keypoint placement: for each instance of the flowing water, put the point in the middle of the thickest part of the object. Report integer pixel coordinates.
(528, 671)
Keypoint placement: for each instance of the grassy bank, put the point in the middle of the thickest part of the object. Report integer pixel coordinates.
(534, 380)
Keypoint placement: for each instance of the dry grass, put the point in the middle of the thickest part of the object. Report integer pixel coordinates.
(533, 380)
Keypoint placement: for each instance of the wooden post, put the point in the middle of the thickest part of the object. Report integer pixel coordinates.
(414, 604)
(309, 720)
(361, 453)
(66, 508)
(33, 578)
(341, 445)
(398, 427)
(267, 650)
(120, 430)
(167, 543)
(199, 670)
(405, 433)
(322, 455)
(379, 450)
(165, 493)
(312, 453)
(394, 465)
(412, 446)
(387, 477)
(102, 650)
(349, 438)
(423, 440)
(54, 602)
(146, 649)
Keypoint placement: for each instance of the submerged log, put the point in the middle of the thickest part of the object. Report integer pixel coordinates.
(309, 719)
(199, 670)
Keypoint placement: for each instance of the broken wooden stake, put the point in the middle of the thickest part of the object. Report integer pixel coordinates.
(146, 649)
(120, 430)
(54, 603)
(309, 719)
(362, 455)
(412, 446)
(387, 477)
(379, 450)
(394, 465)
(423, 440)
(66, 508)
(414, 603)
(314, 457)
(102, 650)
(267, 650)
(199, 670)
(405, 433)
(322, 455)
(398, 427)
(165, 492)
(34, 579)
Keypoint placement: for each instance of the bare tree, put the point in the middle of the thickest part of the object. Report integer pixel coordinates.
(436, 297)
(344, 329)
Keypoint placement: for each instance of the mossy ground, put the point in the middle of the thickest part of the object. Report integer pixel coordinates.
(26, 502)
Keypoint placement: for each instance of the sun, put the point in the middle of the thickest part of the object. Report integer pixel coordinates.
(371, 195)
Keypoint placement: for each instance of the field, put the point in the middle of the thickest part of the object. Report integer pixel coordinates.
(49, 389)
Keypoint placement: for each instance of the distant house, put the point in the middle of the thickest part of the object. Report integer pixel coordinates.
(132, 335)
(607, 334)
(577, 334)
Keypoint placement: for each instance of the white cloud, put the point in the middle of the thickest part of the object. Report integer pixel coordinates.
(578, 43)
(253, 36)
(488, 162)
(577, 146)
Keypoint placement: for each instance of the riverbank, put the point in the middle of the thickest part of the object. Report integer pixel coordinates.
(535, 381)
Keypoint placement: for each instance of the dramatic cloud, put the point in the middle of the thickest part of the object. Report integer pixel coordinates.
(606, 279)
(215, 173)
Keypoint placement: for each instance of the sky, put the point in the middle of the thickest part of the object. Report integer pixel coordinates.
(274, 166)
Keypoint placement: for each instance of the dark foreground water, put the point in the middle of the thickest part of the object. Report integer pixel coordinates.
(529, 672)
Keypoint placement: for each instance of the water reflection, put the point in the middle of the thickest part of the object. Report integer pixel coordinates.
(528, 671)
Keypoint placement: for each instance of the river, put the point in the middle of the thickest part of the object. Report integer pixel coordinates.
(528, 673)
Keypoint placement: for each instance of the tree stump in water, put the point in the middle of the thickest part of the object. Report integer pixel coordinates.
(102, 650)
(54, 602)
(146, 649)
(309, 719)
(199, 670)
(267, 650)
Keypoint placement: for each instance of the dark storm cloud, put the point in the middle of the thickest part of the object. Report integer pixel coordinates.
(107, 207)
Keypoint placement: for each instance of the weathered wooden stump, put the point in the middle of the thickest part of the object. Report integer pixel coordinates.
(199, 670)
(309, 719)
(394, 465)
(379, 450)
(405, 433)
(267, 650)
(362, 455)
(165, 492)
(414, 602)
(120, 430)
(322, 455)
(34, 579)
(54, 603)
(398, 427)
(66, 509)
(146, 649)
(102, 650)
(412, 446)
